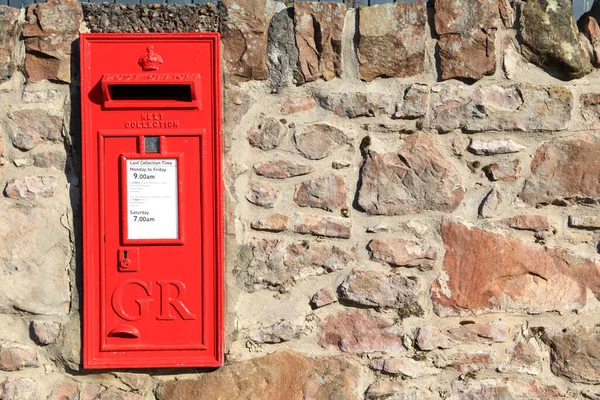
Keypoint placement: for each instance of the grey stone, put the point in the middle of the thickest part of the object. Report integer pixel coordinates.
(15, 357)
(494, 147)
(18, 389)
(377, 289)
(267, 134)
(490, 204)
(429, 338)
(323, 297)
(327, 192)
(550, 38)
(317, 141)
(356, 104)
(584, 221)
(45, 332)
(31, 187)
(262, 194)
(405, 367)
(282, 53)
(414, 103)
(574, 353)
(408, 176)
(525, 108)
(283, 331)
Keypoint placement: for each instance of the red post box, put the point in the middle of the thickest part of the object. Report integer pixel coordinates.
(152, 200)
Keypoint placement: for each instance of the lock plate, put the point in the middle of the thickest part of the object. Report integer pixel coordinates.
(128, 260)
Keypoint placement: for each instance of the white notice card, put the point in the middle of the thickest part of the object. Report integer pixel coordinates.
(152, 206)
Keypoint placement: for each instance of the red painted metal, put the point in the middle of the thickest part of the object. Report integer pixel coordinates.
(152, 220)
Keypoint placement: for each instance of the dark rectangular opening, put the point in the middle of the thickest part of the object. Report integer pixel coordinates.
(151, 92)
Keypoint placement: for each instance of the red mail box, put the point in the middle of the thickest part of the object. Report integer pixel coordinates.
(152, 200)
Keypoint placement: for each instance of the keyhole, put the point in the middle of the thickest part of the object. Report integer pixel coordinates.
(125, 254)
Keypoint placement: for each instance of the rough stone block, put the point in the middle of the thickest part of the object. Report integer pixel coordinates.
(564, 169)
(327, 192)
(14, 357)
(408, 176)
(467, 35)
(485, 272)
(9, 34)
(281, 169)
(391, 39)
(319, 29)
(49, 30)
(334, 227)
(402, 253)
(550, 38)
(317, 141)
(525, 108)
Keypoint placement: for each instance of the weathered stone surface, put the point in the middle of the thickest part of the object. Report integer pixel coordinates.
(334, 227)
(463, 361)
(512, 61)
(273, 223)
(267, 134)
(524, 108)
(319, 29)
(485, 272)
(45, 332)
(282, 375)
(236, 104)
(298, 104)
(50, 159)
(144, 18)
(405, 367)
(68, 390)
(317, 141)
(550, 38)
(327, 192)
(395, 390)
(389, 127)
(262, 194)
(116, 394)
(525, 357)
(378, 289)
(490, 204)
(415, 101)
(506, 171)
(49, 30)
(491, 332)
(402, 253)
(90, 391)
(275, 265)
(18, 389)
(467, 35)
(590, 106)
(31, 187)
(322, 298)
(499, 389)
(67, 351)
(406, 177)
(564, 169)
(14, 357)
(391, 39)
(356, 104)
(430, 338)
(574, 353)
(283, 331)
(588, 25)
(244, 34)
(135, 381)
(494, 147)
(9, 33)
(281, 169)
(34, 253)
(359, 331)
(32, 127)
(529, 222)
(282, 53)
(584, 221)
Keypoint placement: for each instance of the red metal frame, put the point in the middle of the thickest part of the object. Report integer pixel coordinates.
(106, 346)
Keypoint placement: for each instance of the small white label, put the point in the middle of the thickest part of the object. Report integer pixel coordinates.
(152, 194)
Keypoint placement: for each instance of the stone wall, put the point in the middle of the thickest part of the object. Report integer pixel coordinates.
(412, 201)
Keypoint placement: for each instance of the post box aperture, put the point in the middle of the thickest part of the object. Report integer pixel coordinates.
(152, 202)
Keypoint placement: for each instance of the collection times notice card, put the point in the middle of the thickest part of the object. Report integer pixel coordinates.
(152, 199)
